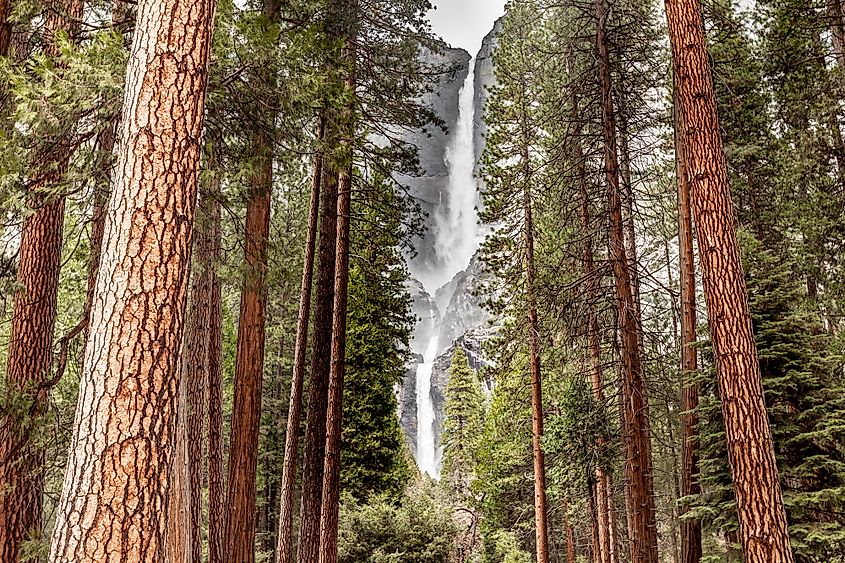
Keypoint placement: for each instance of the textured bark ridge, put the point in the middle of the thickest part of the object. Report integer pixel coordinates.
(113, 505)
(690, 529)
(638, 462)
(5, 27)
(762, 519)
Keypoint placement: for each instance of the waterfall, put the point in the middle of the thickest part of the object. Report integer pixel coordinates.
(426, 442)
(456, 240)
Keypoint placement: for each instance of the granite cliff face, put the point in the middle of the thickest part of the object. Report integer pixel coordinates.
(453, 311)
(485, 79)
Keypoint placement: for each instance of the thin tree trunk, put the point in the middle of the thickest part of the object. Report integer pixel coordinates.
(246, 409)
(5, 27)
(540, 508)
(249, 366)
(185, 528)
(602, 494)
(334, 417)
(690, 528)
(592, 492)
(760, 510)
(285, 543)
(611, 519)
(318, 387)
(216, 492)
(638, 463)
(30, 350)
(178, 541)
(124, 431)
(184, 535)
(571, 556)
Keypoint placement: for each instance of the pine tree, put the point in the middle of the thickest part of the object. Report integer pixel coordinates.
(463, 421)
(748, 433)
(128, 390)
(510, 176)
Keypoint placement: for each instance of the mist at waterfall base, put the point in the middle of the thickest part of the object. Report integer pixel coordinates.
(456, 239)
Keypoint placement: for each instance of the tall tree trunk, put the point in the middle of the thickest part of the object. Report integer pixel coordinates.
(249, 367)
(334, 416)
(318, 387)
(178, 540)
(638, 463)
(690, 528)
(329, 517)
(216, 492)
(185, 527)
(760, 510)
(540, 508)
(184, 534)
(246, 409)
(123, 441)
(602, 492)
(30, 350)
(284, 547)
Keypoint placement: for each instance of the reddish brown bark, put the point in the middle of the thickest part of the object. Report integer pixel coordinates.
(318, 387)
(30, 350)
(690, 528)
(216, 492)
(570, 534)
(123, 443)
(540, 507)
(196, 365)
(249, 367)
(638, 462)
(334, 417)
(284, 546)
(760, 510)
(329, 517)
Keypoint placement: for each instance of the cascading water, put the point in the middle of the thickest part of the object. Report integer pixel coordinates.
(456, 222)
(426, 443)
(456, 241)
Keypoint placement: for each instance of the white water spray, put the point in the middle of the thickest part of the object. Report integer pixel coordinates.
(426, 443)
(457, 239)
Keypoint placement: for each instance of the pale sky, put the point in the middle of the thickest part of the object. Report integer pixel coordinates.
(464, 23)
